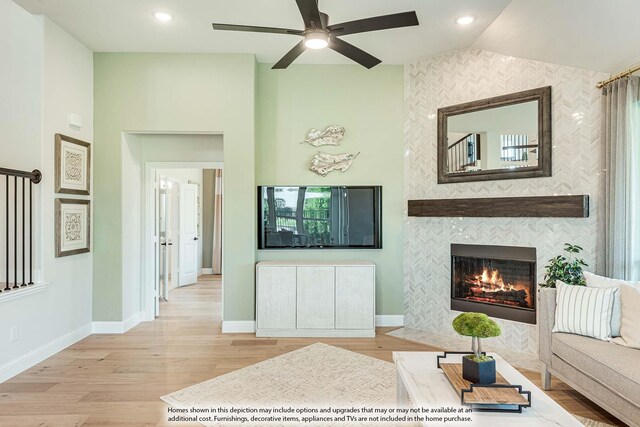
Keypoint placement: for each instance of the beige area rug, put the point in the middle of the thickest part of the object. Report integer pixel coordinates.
(318, 375)
(591, 423)
(313, 376)
(456, 343)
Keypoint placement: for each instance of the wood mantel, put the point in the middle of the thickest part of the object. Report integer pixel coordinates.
(503, 207)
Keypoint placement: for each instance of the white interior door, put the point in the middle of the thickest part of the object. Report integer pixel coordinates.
(163, 214)
(156, 249)
(188, 259)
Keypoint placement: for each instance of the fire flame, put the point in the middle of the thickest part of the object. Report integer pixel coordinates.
(491, 281)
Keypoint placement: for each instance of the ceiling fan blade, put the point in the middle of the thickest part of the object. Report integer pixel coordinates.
(397, 20)
(290, 56)
(356, 54)
(251, 28)
(310, 13)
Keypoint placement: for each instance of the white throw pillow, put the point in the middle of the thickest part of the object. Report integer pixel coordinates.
(595, 281)
(630, 298)
(584, 311)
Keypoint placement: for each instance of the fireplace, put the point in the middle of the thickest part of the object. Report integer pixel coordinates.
(499, 281)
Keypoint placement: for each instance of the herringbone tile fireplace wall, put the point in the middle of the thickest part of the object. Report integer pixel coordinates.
(471, 74)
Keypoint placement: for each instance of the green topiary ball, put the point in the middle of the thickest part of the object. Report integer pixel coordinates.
(476, 325)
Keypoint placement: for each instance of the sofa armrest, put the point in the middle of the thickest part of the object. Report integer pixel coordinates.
(546, 320)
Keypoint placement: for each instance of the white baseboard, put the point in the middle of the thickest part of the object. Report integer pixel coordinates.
(238, 327)
(389, 320)
(116, 327)
(206, 271)
(41, 353)
(147, 316)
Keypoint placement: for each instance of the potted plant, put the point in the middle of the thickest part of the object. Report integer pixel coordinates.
(568, 269)
(477, 368)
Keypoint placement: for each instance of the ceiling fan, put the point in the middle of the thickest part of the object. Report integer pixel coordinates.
(318, 34)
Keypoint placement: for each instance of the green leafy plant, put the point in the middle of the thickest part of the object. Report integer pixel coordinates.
(476, 326)
(565, 268)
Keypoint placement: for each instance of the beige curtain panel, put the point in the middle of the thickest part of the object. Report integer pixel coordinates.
(216, 263)
(621, 136)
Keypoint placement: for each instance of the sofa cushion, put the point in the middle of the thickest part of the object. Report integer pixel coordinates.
(598, 393)
(595, 281)
(584, 311)
(630, 318)
(610, 364)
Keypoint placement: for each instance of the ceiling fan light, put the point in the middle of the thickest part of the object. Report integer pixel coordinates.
(316, 40)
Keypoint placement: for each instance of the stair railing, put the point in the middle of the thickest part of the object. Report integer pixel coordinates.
(464, 153)
(17, 180)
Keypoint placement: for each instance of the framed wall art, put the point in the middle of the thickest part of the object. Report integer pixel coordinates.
(73, 226)
(73, 165)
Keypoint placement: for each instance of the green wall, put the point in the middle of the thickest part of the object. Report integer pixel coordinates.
(369, 104)
(263, 115)
(174, 93)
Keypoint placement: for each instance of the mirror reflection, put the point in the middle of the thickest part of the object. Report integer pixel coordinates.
(493, 139)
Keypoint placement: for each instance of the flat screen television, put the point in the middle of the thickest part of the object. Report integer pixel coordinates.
(320, 217)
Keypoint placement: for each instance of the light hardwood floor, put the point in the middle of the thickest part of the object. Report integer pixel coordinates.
(116, 380)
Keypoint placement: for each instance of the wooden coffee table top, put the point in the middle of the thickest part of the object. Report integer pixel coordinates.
(427, 386)
(503, 396)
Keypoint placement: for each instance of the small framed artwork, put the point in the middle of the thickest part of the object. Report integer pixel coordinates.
(73, 163)
(73, 227)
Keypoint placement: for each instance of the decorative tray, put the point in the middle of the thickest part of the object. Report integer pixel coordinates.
(497, 397)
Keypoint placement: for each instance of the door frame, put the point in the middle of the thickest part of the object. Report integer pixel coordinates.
(150, 293)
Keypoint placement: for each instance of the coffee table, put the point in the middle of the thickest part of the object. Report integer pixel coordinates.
(422, 384)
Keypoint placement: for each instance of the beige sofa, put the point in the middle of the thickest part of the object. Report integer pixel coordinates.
(606, 373)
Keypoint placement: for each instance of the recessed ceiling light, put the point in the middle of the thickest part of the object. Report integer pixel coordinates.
(465, 20)
(162, 16)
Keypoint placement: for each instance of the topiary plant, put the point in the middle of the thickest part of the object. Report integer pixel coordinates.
(476, 326)
(565, 268)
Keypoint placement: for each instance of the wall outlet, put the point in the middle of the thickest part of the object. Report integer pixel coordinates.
(15, 334)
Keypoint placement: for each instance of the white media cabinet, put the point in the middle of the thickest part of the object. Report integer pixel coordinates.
(315, 299)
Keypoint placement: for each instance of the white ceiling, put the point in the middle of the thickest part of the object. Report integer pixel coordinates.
(593, 34)
(600, 35)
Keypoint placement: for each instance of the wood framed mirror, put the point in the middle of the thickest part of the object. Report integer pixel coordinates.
(505, 137)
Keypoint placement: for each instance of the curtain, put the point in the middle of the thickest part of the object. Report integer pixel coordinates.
(216, 263)
(621, 136)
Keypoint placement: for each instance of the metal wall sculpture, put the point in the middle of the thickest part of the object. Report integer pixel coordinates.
(332, 135)
(323, 163)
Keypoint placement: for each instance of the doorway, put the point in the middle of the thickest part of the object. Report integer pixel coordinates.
(187, 228)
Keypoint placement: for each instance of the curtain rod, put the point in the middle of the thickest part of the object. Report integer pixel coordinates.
(618, 77)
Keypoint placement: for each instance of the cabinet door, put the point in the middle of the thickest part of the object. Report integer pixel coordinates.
(355, 297)
(276, 298)
(316, 297)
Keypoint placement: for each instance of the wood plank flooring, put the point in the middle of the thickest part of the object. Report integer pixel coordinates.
(116, 380)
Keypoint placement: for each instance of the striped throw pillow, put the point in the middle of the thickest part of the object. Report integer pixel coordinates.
(584, 311)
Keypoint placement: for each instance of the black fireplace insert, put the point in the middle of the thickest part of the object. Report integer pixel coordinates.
(499, 281)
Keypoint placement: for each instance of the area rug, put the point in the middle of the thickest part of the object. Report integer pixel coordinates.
(316, 375)
(591, 423)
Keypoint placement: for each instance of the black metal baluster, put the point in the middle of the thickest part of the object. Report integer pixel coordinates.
(34, 177)
(23, 238)
(6, 211)
(30, 232)
(15, 232)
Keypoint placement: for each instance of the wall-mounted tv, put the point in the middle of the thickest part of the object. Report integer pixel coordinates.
(320, 217)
